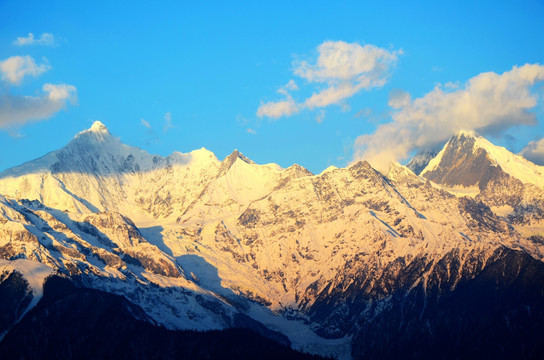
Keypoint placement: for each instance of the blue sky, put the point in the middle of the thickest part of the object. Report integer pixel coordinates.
(169, 76)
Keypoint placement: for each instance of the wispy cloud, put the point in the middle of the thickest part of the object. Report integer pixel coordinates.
(344, 68)
(365, 112)
(534, 152)
(489, 103)
(331, 95)
(399, 99)
(45, 39)
(241, 120)
(145, 123)
(290, 86)
(320, 116)
(167, 122)
(251, 131)
(151, 135)
(15, 68)
(18, 110)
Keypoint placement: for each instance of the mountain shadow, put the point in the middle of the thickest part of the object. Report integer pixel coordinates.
(206, 276)
(80, 323)
(153, 235)
(497, 314)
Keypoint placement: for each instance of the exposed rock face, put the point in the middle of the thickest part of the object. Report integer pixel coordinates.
(348, 263)
(463, 163)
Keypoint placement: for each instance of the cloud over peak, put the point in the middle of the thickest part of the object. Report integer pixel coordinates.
(345, 69)
(534, 151)
(488, 103)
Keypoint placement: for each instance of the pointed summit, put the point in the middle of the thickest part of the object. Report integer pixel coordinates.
(296, 171)
(82, 153)
(461, 163)
(428, 159)
(227, 163)
(98, 127)
(238, 155)
(97, 134)
(470, 160)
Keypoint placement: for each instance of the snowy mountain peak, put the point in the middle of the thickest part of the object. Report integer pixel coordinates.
(202, 152)
(229, 161)
(467, 139)
(202, 157)
(469, 159)
(98, 127)
(235, 155)
(76, 155)
(298, 171)
(329, 169)
(96, 134)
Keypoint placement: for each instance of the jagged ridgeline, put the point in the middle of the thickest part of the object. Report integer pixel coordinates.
(349, 263)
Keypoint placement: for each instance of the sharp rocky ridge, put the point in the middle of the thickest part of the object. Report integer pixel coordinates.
(349, 263)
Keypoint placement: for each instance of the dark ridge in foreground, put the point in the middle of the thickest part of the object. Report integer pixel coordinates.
(499, 314)
(78, 323)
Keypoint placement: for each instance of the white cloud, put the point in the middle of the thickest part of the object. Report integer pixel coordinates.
(488, 103)
(60, 92)
(18, 110)
(341, 61)
(15, 68)
(45, 39)
(167, 121)
(278, 109)
(251, 131)
(534, 151)
(345, 68)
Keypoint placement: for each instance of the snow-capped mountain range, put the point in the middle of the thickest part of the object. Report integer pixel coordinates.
(335, 264)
